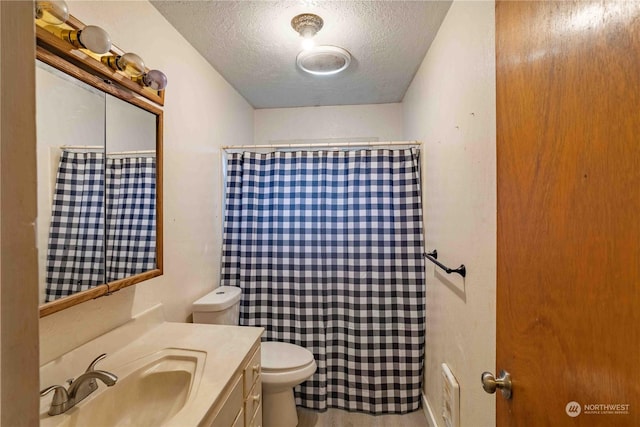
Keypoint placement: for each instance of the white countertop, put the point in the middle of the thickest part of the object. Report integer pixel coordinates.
(226, 348)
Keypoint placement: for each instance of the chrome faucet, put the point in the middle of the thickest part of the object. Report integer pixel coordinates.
(81, 387)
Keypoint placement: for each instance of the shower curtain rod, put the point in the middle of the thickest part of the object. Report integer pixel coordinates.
(117, 153)
(82, 147)
(321, 145)
(100, 147)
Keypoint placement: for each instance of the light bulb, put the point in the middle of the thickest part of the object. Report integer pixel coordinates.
(95, 39)
(54, 12)
(308, 32)
(155, 79)
(308, 43)
(131, 64)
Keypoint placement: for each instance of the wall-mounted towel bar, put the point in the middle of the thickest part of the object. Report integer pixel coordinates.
(432, 256)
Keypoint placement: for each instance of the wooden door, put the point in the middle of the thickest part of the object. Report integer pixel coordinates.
(568, 147)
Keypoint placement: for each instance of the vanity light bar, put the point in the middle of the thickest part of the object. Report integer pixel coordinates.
(98, 41)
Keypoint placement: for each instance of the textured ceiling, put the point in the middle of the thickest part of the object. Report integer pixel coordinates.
(252, 44)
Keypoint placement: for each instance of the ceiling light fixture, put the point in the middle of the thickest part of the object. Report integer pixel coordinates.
(307, 25)
(323, 60)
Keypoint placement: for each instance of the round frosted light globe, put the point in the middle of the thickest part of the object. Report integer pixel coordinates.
(95, 39)
(131, 64)
(155, 79)
(54, 12)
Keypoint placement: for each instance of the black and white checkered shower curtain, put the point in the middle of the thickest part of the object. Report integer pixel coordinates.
(76, 247)
(75, 255)
(327, 247)
(131, 216)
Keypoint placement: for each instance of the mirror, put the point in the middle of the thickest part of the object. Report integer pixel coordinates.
(99, 185)
(69, 113)
(130, 183)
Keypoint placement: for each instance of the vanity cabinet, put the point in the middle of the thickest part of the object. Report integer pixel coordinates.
(253, 391)
(242, 406)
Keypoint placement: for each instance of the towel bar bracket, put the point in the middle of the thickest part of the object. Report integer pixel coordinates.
(433, 257)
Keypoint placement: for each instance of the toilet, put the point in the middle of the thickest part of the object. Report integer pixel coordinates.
(284, 365)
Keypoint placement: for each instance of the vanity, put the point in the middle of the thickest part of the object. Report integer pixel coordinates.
(169, 374)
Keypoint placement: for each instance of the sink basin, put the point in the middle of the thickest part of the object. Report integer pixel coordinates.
(169, 375)
(150, 391)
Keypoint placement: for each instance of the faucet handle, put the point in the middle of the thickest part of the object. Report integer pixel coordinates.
(92, 365)
(59, 401)
(60, 396)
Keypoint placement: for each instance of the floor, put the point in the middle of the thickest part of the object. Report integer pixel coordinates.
(340, 418)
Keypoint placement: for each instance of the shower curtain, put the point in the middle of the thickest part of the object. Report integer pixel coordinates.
(75, 253)
(327, 248)
(76, 248)
(131, 216)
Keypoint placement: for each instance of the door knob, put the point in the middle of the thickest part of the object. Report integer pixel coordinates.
(491, 383)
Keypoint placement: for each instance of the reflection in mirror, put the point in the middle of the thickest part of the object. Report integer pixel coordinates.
(130, 190)
(70, 215)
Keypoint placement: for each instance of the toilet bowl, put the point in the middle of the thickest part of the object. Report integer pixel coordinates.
(284, 365)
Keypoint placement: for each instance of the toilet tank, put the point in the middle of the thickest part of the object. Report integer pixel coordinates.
(219, 307)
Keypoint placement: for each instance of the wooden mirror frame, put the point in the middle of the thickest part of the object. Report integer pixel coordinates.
(66, 58)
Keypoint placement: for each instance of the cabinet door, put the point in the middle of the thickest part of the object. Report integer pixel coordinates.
(70, 155)
(253, 402)
(231, 413)
(257, 418)
(130, 178)
(253, 388)
(252, 371)
(239, 422)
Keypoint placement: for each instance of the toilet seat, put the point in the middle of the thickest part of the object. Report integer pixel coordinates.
(283, 357)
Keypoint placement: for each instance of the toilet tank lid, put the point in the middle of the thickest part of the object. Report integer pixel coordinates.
(219, 299)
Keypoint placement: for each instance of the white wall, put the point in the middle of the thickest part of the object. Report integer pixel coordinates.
(202, 113)
(373, 122)
(450, 106)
